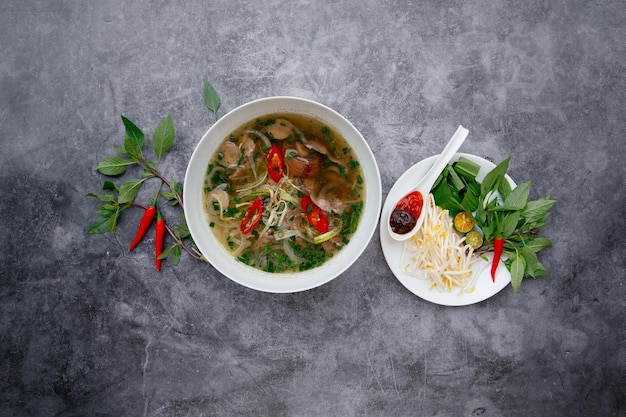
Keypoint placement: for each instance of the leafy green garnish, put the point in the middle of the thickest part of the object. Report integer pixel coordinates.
(499, 211)
(211, 98)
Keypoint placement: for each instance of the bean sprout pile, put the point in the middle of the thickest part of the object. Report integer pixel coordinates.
(438, 254)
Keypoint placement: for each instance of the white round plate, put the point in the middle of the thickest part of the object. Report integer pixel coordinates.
(392, 249)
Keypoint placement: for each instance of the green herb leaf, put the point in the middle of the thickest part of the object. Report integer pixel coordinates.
(518, 197)
(176, 255)
(504, 188)
(163, 137)
(466, 168)
(494, 177)
(103, 197)
(211, 98)
(109, 186)
(167, 252)
(100, 225)
(168, 195)
(113, 220)
(517, 269)
(113, 165)
(539, 243)
(536, 211)
(509, 223)
(129, 190)
(120, 149)
(532, 262)
(133, 142)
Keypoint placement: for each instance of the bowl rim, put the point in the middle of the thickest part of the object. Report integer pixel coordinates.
(251, 277)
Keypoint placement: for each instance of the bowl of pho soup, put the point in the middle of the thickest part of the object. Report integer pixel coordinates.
(282, 194)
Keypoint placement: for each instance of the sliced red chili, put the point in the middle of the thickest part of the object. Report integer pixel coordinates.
(274, 161)
(314, 215)
(252, 217)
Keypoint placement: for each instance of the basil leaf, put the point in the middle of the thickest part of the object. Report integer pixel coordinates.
(211, 98)
(167, 252)
(532, 262)
(113, 220)
(518, 198)
(129, 190)
(536, 211)
(509, 223)
(517, 268)
(494, 177)
(113, 165)
(133, 142)
(504, 188)
(163, 137)
(103, 197)
(109, 186)
(538, 244)
(101, 224)
(176, 255)
(120, 149)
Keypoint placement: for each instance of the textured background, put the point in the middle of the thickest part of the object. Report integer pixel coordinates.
(90, 329)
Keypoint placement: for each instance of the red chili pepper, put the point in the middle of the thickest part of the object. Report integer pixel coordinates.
(314, 215)
(144, 224)
(158, 242)
(274, 161)
(498, 247)
(252, 217)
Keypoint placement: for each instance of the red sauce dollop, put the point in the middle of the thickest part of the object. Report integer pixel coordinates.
(405, 214)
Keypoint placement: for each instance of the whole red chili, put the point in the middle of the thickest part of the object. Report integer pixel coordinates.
(274, 161)
(144, 224)
(158, 242)
(252, 217)
(498, 247)
(314, 214)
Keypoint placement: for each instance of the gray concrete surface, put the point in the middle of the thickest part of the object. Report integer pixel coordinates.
(90, 329)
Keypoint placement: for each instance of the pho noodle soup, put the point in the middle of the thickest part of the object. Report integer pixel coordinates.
(284, 193)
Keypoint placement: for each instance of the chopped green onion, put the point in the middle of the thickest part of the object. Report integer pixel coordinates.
(466, 168)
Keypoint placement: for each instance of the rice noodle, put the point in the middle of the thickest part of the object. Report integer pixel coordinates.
(438, 254)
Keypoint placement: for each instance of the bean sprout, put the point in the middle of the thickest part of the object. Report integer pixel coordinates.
(438, 254)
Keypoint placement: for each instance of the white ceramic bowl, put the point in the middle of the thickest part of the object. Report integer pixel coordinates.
(219, 257)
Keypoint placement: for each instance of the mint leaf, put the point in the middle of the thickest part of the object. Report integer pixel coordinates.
(211, 98)
(163, 137)
(129, 190)
(113, 165)
(133, 142)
